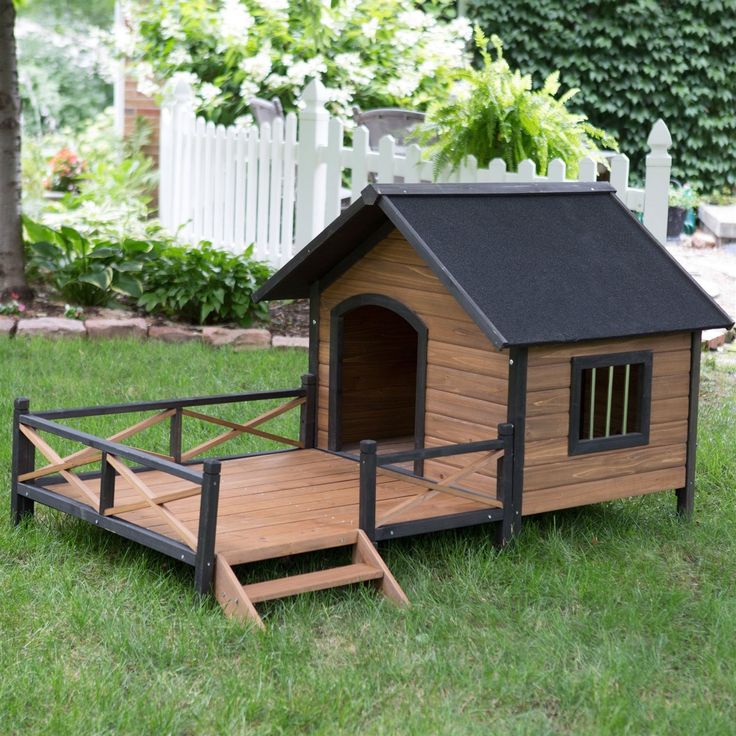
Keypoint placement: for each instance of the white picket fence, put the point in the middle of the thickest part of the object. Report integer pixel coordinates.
(277, 187)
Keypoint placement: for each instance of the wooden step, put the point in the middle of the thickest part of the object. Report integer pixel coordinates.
(295, 584)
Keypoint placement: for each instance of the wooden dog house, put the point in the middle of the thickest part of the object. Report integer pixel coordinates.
(439, 311)
(477, 352)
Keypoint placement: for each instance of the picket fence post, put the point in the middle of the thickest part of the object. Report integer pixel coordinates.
(657, 181)
(177, 113)
(311, 180)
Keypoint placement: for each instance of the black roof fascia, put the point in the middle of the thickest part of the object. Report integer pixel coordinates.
(485, 324)
(676, 263)
(296, 262)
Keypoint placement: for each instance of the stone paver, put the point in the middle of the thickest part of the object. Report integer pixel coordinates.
(53, 327)
(170, 333)
(7, 326)
(105, 328)
(238, 338)
(284, 341)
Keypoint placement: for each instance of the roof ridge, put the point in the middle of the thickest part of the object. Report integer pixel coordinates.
(372, 192)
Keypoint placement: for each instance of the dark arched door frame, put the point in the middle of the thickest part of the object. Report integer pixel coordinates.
(337, 324)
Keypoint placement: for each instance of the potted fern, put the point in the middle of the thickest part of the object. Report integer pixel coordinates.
(495, 113)
(682, 199)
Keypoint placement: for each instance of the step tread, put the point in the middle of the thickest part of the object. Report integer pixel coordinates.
(320, 580)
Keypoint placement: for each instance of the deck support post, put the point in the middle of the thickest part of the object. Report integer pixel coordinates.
(107, 484)
(511, 520)
(686, 494)
(308, 419)
(367, 506)
(24, 459)
(175, 435)
(204, 565)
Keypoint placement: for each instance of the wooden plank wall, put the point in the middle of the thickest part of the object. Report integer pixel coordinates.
(553, 480)
(466, 376)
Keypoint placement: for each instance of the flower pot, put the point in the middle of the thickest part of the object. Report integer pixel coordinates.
(675, 221)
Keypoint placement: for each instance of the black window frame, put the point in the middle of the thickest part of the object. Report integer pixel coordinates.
(579, 446)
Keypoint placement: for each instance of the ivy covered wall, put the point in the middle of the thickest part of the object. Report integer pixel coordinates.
(635, 61)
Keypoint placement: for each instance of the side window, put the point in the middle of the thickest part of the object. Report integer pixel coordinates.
(610, 399)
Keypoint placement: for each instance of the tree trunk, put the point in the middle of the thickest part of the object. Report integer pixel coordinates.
(12, 276)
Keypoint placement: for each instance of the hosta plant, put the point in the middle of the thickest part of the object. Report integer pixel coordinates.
(85, 271)
(204, 285)
(495, 113)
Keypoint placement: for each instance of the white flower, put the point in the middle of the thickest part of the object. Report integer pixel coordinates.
(300, 70)
(170, 27)
(462, 28)
(369, 29)
(145, 83)
(208, 92)
(234, 21)
(415, 19)
(248, 89)
(275, 6)
(258, 67)
(180, 57)
(405, 84)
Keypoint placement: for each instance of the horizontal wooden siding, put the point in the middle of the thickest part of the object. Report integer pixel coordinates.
(553, 479)
(466, 376)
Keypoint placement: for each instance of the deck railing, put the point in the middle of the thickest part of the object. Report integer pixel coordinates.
(118, 460)
(504, 506)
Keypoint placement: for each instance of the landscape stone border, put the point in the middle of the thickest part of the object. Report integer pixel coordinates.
(137, 328)
(215, 336)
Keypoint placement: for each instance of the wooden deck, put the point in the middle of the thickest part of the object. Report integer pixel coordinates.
(282, 503)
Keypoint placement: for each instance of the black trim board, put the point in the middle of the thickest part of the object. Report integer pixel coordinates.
(516, 415)
(354, 256)
(438, 523)
(686, 494)
(675, 262)
(123, 528)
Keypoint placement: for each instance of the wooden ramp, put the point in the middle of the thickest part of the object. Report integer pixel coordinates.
(238, 601)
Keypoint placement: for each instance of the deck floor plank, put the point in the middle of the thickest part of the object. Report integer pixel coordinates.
(281, 503)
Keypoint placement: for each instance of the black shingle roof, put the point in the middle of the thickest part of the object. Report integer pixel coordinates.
(531, 263)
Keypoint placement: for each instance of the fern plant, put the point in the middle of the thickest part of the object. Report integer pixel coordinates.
(497, 114)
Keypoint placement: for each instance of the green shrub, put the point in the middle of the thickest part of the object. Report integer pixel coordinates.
(85, 271)
(373, 53)
(636, 61)
(497, 114)
(204, 285)
(112, 192)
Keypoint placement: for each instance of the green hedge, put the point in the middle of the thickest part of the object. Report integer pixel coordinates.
(635, 61)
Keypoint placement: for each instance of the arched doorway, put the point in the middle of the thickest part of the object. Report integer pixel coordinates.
(378, 363)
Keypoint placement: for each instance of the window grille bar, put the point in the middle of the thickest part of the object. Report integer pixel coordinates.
(609, 401)
(591, 423)
(627, 376)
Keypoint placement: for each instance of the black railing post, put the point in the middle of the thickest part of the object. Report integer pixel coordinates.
(367, 505)
(24, 459)
(511, 520)
(175, 435)
(308, 418)
(107, 484)
(204, 566)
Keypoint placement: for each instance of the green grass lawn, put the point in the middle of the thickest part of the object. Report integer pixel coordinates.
(617, 618)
